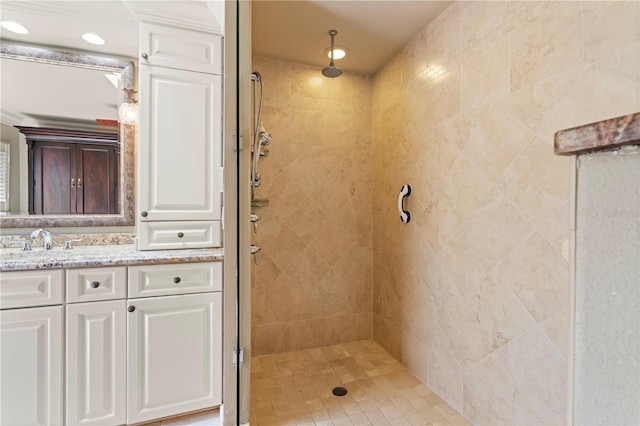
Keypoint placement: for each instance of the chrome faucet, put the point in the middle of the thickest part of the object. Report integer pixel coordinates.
(47, 241)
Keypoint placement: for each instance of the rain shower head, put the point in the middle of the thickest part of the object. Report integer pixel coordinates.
(332, 71)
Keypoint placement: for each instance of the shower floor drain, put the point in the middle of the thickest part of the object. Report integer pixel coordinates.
(339, 391)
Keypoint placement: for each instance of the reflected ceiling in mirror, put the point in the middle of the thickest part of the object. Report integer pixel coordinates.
(54, 64)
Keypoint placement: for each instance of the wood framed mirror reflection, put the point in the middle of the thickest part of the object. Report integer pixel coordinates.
(122, 74)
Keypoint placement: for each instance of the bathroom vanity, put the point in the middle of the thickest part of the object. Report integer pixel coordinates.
(109, 335)
(129, 333)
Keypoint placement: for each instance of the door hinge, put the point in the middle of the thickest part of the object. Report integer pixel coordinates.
(235, 357)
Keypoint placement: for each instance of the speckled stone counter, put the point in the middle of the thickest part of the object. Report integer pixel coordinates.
(98, 256)
(605, 134)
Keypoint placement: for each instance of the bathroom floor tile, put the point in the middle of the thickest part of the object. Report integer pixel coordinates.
(296, 388)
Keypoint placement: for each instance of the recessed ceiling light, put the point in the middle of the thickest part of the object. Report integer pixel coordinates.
(14, 27)
(338, 52)
(93, 38)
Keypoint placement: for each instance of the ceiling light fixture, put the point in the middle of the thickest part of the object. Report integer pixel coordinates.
(339, 52)
(93, 38)
(332, 71)
(14, 27)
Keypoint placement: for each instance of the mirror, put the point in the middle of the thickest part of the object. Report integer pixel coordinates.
(50, 68)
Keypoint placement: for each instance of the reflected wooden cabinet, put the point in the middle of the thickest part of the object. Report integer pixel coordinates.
(72, 172)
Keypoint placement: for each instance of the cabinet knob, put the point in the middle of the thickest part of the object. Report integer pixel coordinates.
(145, 56)
(131, 308)
(180, 234)
(95, 284)
(144, 214)
(176, 280)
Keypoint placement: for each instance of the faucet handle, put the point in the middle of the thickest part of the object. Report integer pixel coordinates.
(36, 233)
(67, 244)
(25, 243)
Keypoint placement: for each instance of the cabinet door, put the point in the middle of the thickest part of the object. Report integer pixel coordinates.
(53, 191)
(96, 363)
(174, 362)
(180, 145)
(31, 366)
(96, 183)
(180, 48)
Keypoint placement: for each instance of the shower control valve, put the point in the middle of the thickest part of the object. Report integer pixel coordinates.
(254, 251)
(254, 219)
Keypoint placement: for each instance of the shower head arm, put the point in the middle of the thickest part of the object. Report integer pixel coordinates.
(332, 33)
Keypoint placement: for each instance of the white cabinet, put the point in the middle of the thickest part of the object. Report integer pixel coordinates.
(31, 366)
(180, 147)
(114, 354)
(174, 361)
(96, 363)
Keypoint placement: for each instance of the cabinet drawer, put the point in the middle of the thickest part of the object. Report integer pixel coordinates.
(178, 235)
(31, 288)
(92, 284)
(180, 49)
(161, 280)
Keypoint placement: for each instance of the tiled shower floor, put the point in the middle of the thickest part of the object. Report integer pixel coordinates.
(294, 388)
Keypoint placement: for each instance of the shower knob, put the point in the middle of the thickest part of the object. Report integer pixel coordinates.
(254, 219)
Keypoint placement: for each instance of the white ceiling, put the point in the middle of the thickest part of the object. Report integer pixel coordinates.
(373, 31)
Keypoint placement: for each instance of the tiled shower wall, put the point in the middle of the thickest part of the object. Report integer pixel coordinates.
(313, 284)
(473, 294)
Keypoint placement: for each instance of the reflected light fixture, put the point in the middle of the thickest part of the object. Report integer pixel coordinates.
(128, 109)
(14, 27)
(93, 38)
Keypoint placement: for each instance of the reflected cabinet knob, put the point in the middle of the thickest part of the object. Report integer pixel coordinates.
(145, 56)
(144, 214)
(131, 308)
(95, 284)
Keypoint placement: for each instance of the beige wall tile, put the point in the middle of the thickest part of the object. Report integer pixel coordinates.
(444, 374)
(495, 142)
(489, 316)
(537, 182)
(557, 327)
(306, 81)
(496, 227)
(612, 35)
(485, 75)
(532, 356)
(536, 54)
(316, 233)
(539, 276)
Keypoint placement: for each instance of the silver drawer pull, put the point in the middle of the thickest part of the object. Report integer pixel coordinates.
(176, 280)
(95, 284)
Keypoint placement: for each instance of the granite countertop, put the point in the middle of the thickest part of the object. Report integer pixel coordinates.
(99, 256)
(606, 134)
